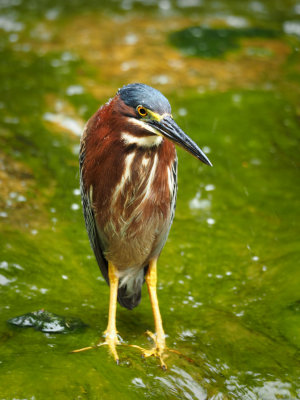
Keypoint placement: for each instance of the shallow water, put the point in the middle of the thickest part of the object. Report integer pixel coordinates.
(229, 273)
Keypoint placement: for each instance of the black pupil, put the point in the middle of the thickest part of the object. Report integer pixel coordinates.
(142, 111)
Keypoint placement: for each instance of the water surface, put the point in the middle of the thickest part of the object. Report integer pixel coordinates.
(229, 273)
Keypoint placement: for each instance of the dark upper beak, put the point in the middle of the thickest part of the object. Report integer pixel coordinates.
(168, 127)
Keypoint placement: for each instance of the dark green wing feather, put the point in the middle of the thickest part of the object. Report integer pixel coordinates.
(90, 221)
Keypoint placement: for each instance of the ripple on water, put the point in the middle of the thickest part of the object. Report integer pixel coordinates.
(268, 390)
(138, 382)
(180, 381)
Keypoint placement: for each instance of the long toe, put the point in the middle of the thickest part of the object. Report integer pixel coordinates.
(158, 350)
(111, 340)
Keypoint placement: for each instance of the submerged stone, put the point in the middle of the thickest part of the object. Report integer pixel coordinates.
(46, 321)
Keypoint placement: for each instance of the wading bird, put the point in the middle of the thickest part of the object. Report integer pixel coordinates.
(128, 176)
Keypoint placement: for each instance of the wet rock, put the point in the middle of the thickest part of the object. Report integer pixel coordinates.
(46, 321)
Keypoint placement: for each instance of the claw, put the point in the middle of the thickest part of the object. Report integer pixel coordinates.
(157, 351)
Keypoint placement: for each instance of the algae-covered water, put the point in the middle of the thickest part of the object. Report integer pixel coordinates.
(229, 280)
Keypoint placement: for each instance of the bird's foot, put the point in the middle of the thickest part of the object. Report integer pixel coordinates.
(158, 351)
(111, 340)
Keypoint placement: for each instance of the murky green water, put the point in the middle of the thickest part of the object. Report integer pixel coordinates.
(229, 278)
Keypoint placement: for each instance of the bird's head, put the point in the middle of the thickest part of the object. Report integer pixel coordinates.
(148, 110)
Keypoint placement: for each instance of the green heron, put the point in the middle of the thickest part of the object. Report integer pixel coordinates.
(128, 176)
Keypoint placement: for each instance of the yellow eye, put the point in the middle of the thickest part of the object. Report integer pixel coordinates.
(142, 111)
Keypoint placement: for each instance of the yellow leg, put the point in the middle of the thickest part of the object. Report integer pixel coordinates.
(110, 334)
(159, 338)
(111, 337)
(151, 280)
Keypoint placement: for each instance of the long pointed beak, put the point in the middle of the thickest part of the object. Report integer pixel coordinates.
(168, 128)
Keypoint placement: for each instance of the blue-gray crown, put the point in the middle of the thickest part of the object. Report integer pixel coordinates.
(137, 94)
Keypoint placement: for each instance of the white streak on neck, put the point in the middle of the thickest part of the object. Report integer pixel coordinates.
(126, 176)
(170, 181)
(151, 177)
(141, 141)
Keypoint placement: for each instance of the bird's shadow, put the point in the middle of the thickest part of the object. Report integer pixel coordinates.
(133, 323)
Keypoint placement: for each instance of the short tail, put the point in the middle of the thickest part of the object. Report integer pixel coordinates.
(129, 301)
(130, 293)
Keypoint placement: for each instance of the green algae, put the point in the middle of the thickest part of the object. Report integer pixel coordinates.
(208, 42)
(228, 275)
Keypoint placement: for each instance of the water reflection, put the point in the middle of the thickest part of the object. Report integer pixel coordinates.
(199, 204)
(5, 281)
(292, 28)
(8, 24)
(64, 121)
